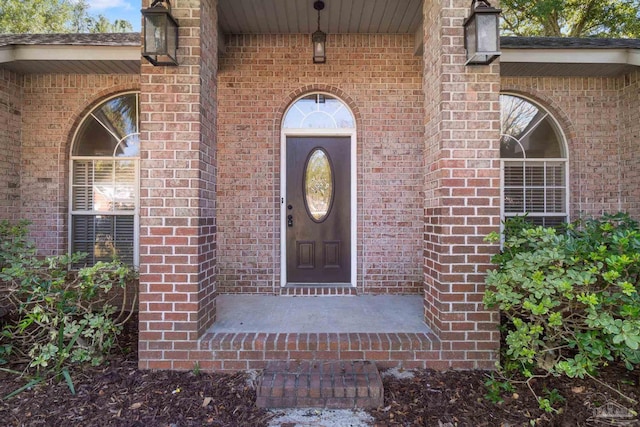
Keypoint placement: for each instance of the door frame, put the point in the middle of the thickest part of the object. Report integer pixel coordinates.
(320, 133)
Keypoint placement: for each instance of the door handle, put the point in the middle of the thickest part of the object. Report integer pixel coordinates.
(289, 220)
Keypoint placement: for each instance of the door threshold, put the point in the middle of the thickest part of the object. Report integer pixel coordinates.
(318, 289)
(318, 285)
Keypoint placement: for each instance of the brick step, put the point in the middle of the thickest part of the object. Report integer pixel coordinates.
(320, 384)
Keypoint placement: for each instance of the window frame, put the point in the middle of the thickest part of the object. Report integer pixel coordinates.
(540, 160)
(135, 212)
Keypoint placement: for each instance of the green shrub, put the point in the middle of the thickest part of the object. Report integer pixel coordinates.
(569, 299)
(55, 318)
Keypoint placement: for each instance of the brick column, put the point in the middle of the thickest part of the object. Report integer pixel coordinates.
(462, 188)
(178, 172)
(629, 155)
(10, 143)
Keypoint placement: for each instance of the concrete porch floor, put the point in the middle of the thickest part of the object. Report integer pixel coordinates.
(319, 314)
(252, 331)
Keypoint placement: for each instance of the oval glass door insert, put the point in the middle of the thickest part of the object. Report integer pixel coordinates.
(318, 185)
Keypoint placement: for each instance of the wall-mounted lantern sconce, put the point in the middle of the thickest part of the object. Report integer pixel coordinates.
(482, 33)
(160, 30)
(319, 38)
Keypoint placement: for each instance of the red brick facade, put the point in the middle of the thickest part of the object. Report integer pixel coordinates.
(259, 77)
(588, 111)
(428, 178)
(54, 105)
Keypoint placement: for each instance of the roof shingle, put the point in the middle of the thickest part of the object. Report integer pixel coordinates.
(567, 43)
(134, 39)
(72, 39)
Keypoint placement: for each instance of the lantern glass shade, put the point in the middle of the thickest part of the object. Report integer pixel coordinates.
(160, 36)
(319, 54)
(481, 36)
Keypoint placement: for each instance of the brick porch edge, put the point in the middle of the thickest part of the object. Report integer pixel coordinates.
(241, 351)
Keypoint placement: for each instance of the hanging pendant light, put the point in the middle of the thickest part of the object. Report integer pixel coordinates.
(319, 38)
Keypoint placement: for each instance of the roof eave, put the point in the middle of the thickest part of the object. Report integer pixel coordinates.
(572, 56)
(41, 58)
(583, 62)
(33, 58)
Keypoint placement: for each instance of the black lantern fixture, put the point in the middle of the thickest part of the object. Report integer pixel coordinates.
(319, 38)
(160, 30)
(482, 33)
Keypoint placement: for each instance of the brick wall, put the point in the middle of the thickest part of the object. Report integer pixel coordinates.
(461, 202)
(54, 105)
(588, 110)
(10, 142)
(178, 169)
(380, 79)
(629, 138)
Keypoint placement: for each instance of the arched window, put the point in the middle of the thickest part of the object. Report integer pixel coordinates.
(534, 163)
(318, 111)
(105, 157)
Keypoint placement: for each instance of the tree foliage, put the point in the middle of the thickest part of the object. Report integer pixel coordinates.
(571, 18)
(54, 16)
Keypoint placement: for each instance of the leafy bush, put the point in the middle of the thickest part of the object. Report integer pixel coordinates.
(569, 299)
(55, 318)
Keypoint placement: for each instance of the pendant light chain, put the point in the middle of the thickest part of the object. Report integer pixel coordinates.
(319, 38)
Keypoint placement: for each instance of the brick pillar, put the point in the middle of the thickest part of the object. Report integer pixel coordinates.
(462, 188)
(11, 100)
(629, 155)
(177, 194)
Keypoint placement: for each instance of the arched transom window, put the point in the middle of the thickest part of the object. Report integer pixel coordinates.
(318, 111)
(104, 182)
(534, 163)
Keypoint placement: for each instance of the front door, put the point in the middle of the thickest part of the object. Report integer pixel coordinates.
(318, 210)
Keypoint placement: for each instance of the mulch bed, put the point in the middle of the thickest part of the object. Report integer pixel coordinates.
(118, 394)
(457, 398)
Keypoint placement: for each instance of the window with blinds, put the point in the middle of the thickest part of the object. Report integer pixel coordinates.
(105, 181)
(534, 164)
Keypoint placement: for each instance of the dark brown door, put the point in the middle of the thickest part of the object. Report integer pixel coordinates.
(318, 210)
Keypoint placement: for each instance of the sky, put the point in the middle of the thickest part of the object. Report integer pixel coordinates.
(118, 9)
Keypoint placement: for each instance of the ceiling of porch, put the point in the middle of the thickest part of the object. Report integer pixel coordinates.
(338, 16)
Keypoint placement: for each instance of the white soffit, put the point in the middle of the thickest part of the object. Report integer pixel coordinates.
(338, 16)
(567, 62)
(71, 59)
(572, 56)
